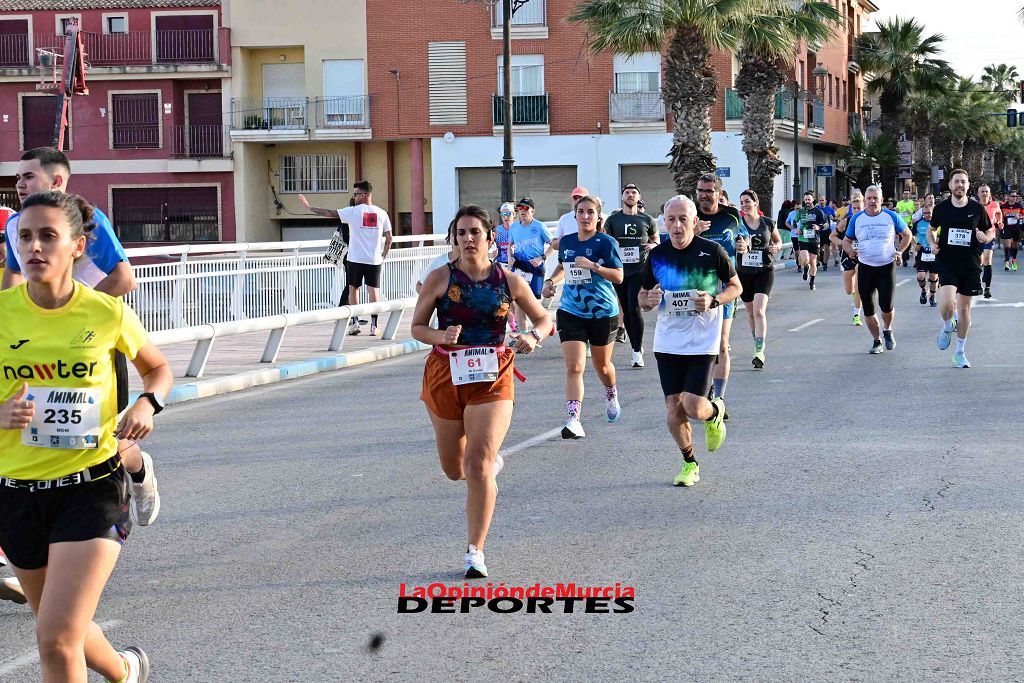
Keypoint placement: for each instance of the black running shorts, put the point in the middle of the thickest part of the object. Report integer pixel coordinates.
(756, 283)
(31, 520)
(924, 266)
(356, 274)
(811, 247)
(595, 331)
(685, 374)
(965, 278)
(1012, 233)
(846, 262)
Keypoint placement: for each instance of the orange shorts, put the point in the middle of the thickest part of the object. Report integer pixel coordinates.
(447, 401)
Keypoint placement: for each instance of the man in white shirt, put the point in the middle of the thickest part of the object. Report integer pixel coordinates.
(369, 243)
(567, 223)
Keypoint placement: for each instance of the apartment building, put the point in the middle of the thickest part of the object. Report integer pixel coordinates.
(579, 119)
(148, 144)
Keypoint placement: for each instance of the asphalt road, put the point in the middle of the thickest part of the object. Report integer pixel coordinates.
(863, 522)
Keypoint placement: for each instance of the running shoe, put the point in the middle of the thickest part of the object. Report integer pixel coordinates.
(3, 558)
(945, 337)
(590, 354)
(988, 293)
(824, 266)
(499, 465)
(145, 503)
(890, 340)
(353, 328)
(960, 360)
(856, 320)
(612, 409)
(877, 347)
(620, 335)
(758, 361)
(932, 302)
(10, 590)
(138, 664)
(688, 476)
(475, 567)
(1014, 264)
(573, 430)
(811, 287)
(1006, 266)
(374, 330)
(924, 298)
(638, 359)
(714, 429)
(805, 271)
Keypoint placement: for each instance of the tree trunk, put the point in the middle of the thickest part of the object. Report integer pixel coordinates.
(689, 90)
(973, 154)
(956, 153)
(889, 124)
(757, 85)
(922, 169)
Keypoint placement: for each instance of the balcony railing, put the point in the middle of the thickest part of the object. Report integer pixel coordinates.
(818, 115)
(533, 13)
(197, 141)
(783, 106)
(342, 112)
(636, 107)
(134, 48)
(269, 113)
(526, 110)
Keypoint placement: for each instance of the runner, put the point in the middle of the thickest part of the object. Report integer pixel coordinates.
(567, 221)
(758, 243)
(636, 235)
(467, 379)
(370, 242)
(873, 230)
(504, 249)
(720, 224)
(64, 496)
(928, 203)
(531, 246)
(450, 257)
(995, 216)
(925, 263)
(782, 221)
(588, 310)
(809, 220)
(848, 262)
(105, 268)
(689, 280)
(1013, 216)
(825, 232)
(906, 208)
(960, 229)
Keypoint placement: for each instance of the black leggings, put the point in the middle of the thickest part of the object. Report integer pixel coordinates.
(629, 302)
(876, 278)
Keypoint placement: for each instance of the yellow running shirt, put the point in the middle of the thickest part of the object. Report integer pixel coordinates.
(66, 356)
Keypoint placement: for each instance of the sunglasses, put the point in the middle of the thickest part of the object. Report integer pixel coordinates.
(506, 213)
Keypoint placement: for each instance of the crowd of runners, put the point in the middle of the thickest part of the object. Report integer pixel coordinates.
(73, 479)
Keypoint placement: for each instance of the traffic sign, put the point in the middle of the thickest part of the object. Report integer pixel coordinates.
(906, 151)
(824, 171)
(723, 171)
(905, 173)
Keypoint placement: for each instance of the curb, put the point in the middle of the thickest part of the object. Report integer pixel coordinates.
(246, 380)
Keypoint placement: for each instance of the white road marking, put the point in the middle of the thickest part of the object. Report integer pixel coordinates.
(32, 656)
(806, 324)
(903, 281)
(1017, 304)
(531, 442)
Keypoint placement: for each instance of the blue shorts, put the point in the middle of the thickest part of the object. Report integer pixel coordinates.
(728, 310)
(537, 282)
(988, 246)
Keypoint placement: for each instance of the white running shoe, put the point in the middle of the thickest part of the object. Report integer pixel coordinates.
(138, 664)
(613, 409)
(374, 330)
(353, 327)
(573, 430)
(10, 589)
(475, 567)
(499, 465)
(145, 504)
(638, 359)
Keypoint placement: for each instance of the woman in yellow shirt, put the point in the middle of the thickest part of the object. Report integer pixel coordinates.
(63, 493)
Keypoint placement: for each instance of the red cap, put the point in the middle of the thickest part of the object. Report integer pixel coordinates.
(579, 192)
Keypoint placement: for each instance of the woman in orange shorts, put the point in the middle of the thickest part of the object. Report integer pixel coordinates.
(467, 380)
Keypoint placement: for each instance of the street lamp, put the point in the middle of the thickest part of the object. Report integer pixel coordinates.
(819, 73)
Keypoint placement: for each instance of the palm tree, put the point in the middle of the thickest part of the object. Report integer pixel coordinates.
(1002, 79)
(864, 156)
(692, 29)
(963, 115)
(768, 43)
(899, 60)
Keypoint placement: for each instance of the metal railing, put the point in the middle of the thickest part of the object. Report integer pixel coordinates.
(526, 109)
(818, 115)
(342, 112)
(636, 107)
(197, 141)
(783, 106)
(188, 285)
(533, 13)
(133, 48)
(269, 113)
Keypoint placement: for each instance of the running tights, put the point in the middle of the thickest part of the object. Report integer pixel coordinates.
(629, 302)
(987, 275)
(871, 279)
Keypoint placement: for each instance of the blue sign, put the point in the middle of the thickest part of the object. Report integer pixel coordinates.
(723, 171)
(824, 171)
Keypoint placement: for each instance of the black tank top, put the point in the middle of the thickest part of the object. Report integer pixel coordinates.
(758, 239)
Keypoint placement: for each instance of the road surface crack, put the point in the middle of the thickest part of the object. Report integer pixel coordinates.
(831, 606)
(946, 484)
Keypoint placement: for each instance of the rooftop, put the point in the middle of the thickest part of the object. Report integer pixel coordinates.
(75, 5)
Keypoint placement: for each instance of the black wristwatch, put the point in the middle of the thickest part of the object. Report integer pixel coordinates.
(715, 303)
(154, 400)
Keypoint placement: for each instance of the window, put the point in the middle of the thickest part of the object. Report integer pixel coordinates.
(14, 42)
(166, 214)
(184, 38)
(135, 120)
(344, 92)
(640, 73)
(38, 116)
(830, 90)
(115, 24)
(447, 82)
(544, 184)
(313, 173)
(527, 75)
(529, 13)
(66, 23)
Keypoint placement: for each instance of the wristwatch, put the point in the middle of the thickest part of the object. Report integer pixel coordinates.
(533, 333)
(715, 303)
(154, 400)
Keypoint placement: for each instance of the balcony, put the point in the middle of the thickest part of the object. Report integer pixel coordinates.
(817, 119)
(342, 118)
(633, 110)
(527, 110)
(269, 119)
(529, 21)
(197, 142)
(783, 110)
(134, 51)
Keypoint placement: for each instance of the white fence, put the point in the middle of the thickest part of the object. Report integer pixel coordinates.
(192, 285)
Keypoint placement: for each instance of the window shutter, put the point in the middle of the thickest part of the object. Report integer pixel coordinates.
(447, 84)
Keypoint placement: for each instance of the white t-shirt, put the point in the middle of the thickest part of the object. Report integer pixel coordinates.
(875, 236)
(567, 225)
(366, 227)
(438, 261)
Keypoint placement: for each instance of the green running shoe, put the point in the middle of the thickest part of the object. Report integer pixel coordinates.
(856, 320)
(688, 476)
(714, 429)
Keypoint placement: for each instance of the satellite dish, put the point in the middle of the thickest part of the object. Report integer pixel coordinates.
(449, 137)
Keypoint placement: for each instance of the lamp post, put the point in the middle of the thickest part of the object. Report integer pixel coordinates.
(799, 94)
(508, 163)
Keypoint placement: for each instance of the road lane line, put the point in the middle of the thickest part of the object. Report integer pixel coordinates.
(531, 442)
(806, 324)
(32, 656)
(903, 281)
